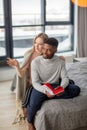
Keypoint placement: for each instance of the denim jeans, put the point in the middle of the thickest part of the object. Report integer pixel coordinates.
(37, 98)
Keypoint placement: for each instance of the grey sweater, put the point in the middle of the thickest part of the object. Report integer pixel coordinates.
(48, 70)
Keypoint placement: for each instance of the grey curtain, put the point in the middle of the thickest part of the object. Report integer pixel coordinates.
(82, 32)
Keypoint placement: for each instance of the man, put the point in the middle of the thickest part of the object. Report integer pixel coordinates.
(48, 69)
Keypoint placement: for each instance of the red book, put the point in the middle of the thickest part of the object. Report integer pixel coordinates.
(53, 91)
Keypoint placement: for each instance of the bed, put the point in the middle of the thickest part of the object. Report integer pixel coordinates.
(66, 114)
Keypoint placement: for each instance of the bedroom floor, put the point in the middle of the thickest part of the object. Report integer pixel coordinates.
(7, 108)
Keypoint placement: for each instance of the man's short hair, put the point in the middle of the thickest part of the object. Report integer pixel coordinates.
(52, 41)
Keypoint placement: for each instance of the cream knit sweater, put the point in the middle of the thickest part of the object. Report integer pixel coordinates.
(48, 70)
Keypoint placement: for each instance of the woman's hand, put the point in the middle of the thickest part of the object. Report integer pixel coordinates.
(12, 62)
(15, 63)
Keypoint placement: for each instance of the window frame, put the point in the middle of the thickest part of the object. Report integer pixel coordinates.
(8, 25)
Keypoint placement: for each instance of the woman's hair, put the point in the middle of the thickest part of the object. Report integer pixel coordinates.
(42, 36)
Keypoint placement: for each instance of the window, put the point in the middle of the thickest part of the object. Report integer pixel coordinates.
(23, 39)
(58, 10)
(22, 20)
(63, 35)
(2, 31)
(26, 23)
(59, 22)
(26, 12)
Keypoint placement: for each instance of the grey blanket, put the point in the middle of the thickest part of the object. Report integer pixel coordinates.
(66, 114)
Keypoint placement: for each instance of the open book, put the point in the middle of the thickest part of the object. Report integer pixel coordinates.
(53, 91)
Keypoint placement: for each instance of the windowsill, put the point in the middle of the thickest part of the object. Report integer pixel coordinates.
(69, 53)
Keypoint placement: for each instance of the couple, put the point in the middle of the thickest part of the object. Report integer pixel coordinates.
(48, 68)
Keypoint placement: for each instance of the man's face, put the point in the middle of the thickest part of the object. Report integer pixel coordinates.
(48, 51)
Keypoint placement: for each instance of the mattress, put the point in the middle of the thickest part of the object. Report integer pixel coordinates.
(66, 114)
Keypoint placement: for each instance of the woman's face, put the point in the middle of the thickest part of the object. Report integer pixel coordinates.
(39, 44)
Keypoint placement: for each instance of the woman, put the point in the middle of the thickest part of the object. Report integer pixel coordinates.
(24, 73)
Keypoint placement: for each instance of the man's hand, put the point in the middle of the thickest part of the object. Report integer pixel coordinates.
(49, 95)
(59, 94)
